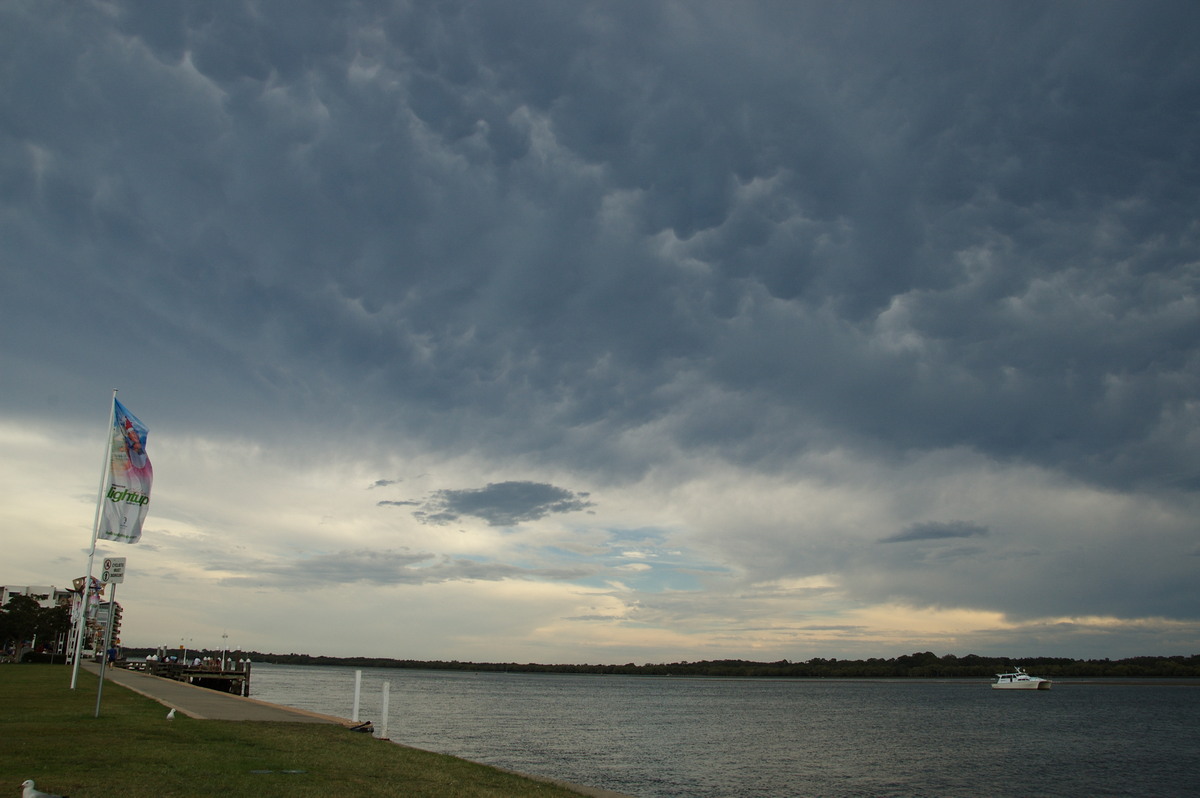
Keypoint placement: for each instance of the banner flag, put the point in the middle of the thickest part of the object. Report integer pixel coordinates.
(127, 499)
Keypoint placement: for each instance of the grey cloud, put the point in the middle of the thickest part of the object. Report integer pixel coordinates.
(382, 483)
(837, 628)
(1034, 573)
(593, 618)
(344, 567)
(937, 530)
(502, 503)
(437, 519)
(381, 568)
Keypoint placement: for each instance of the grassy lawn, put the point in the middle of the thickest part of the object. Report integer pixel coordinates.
(48, 733)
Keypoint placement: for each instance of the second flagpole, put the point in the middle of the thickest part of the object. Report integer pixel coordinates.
(87, 580)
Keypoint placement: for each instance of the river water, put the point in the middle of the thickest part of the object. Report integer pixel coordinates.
(654, 737)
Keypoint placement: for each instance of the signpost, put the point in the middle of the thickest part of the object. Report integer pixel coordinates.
(113, 573)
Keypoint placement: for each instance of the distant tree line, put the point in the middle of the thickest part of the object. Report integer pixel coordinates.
(922, 665)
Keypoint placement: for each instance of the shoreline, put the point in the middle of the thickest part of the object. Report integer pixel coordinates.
(202, 703)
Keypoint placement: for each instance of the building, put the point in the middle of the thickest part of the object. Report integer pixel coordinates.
(49, 596)
(45, 595)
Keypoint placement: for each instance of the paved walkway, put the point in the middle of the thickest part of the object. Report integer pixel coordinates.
(206, 704)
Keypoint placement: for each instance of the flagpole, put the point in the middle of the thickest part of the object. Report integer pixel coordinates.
(87, 580)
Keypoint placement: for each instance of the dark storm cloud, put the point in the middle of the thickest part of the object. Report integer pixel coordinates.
(946, 226)
(502, 504)
(604, 239)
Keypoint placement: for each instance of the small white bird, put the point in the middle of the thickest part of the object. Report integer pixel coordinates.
(29, 791)
(171, 714)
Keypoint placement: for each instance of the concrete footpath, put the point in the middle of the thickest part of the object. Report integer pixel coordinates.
(205, 704)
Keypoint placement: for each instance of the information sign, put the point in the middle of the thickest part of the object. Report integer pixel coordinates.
(114, 570)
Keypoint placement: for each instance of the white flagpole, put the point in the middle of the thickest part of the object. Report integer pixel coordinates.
(87, 580)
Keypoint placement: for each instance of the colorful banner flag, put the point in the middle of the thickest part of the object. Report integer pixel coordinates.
(128, 497)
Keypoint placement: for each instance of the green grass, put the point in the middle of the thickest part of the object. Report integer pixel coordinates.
(48, 732)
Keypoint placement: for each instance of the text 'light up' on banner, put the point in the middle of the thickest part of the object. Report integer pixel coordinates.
(127, 499)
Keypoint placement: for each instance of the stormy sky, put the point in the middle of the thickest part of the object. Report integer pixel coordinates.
(611, 331)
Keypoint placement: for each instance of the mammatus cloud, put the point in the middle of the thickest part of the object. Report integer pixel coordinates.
(502, 503)
(936, 530)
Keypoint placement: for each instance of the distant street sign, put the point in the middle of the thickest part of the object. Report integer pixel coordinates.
(114, 570)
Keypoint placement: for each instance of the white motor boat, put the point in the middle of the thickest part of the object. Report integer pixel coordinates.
(1020, 680)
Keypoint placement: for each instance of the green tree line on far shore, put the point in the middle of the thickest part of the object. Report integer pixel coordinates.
(921, 665)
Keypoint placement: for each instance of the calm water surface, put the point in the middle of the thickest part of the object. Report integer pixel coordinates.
(732, 738)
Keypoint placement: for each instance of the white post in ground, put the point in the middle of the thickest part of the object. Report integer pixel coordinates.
(112, 611)
(113, 573)
(357, 693)
(383, 730)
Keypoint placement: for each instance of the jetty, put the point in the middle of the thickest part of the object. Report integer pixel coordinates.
(232, 678)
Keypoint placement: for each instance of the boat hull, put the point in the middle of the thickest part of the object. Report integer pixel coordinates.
(1018, 679)
(1031, 684)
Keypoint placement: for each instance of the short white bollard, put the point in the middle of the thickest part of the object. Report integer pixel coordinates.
(357, 693)
(383, 731)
